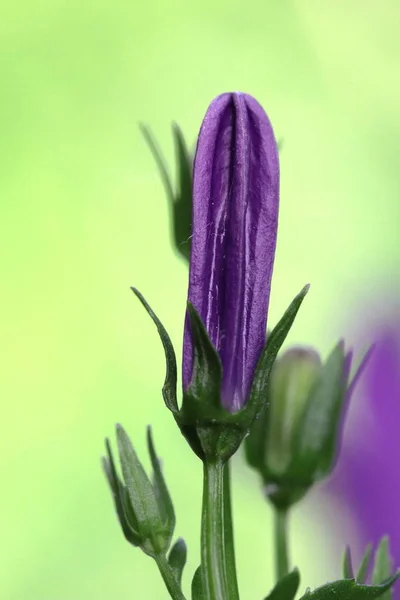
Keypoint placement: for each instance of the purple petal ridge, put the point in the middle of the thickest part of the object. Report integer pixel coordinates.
(235, 219)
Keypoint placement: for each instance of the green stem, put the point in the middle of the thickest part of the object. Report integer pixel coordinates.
(169, 578)
(229, 540)
(281, 543)
(213, 565)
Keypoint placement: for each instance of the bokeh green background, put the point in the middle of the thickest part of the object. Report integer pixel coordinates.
(83, 217)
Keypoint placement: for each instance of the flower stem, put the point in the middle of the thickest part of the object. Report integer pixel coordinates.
(281, 543)
(229, 540)
(169, 578)
(215, 572)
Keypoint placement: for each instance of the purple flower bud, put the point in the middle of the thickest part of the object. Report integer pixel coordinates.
(234, 228)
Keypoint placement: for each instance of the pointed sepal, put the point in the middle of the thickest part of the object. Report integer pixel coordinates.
(286, 588)
(169, 387)
(383, 566)
(259, 387)
(128, 526)
(348, 572)
(197, 586)
(163, 497)
(363, 569)
(177, 558)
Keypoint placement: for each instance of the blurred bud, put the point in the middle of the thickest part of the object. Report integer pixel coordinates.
(295, 441)
(144, 508)
(292, 378)
(180, 195)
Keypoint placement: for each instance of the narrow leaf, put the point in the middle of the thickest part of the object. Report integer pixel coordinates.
(169, 388)
(274, 342)
(347, 564)
(383, 565)
(286, 588)
(163, 497)
(349, 589)
(177, 558)
(363, 569)
(197, 586)
(141, 493)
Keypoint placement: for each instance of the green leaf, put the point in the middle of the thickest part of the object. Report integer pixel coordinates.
(169, 387)
(347, 564)
(314, 445)
(349, 589)
(362, 572)
(259, 388)
(141, 493)
(205, 385)
(182, 208)
(160, 487)
(383, 565)
(197, 586)
(286, 588)
(177, 558)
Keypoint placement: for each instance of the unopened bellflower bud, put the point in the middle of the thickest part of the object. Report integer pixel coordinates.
(292, 378)
(226, 357)
(234, 228)
(295, 442)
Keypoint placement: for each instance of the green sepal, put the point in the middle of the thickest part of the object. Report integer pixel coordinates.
(203, 392)
(164, 500)
(259, 387)
(169, 387)
(180, 200)
(197, 586)
(362, 572)
(348, 572)
(349, 589)
(212, 431)
(129, 528)
(209, 428)
(143, 500)
(286, 588)
(383, 566)
(177, 558)
(255, 443)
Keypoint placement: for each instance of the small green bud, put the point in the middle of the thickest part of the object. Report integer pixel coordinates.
(292, 378)
(144, 508)
(294, 442)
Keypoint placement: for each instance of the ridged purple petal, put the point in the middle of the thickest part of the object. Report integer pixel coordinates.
(235, 218)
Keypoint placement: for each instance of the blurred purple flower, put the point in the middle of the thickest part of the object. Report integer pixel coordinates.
(367, 478)
(235, 216)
